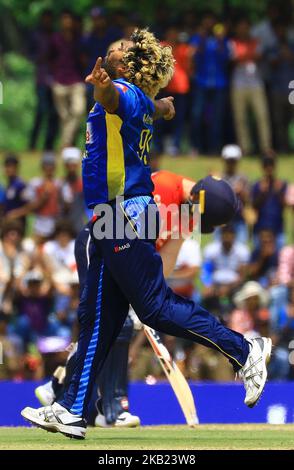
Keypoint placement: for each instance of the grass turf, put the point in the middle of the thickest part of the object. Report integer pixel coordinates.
(193, 167)
(231, 437)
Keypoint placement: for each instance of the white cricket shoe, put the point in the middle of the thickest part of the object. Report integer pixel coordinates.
(127, 420)
(124, 420)
(56, 418)
(100, 422)
(254, 371)
(45, 394)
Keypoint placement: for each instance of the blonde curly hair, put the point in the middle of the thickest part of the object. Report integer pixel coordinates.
(149, 65)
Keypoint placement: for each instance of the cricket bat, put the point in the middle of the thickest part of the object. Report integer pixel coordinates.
(178, 382)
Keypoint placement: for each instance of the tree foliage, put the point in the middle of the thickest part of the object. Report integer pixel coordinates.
(26, 12)
(17, 109)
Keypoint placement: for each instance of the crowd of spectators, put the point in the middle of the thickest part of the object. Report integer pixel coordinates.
(244, 275)
(39, 288)
(231, 80)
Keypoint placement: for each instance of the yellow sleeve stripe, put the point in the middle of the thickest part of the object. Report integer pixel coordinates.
(115, 156)
(202, 201)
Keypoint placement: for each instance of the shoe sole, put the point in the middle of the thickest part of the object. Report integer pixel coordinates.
(266, 353)
(76, 433)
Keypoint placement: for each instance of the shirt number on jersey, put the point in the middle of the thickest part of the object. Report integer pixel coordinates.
(144, 145)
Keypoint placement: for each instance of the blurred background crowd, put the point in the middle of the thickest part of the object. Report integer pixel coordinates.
(231, 90)
(231, 79)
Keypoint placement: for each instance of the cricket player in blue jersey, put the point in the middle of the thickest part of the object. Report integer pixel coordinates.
(125, 267)
(110, 395)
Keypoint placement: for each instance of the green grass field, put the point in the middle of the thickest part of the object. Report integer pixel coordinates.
(192, 167)
(230, 437)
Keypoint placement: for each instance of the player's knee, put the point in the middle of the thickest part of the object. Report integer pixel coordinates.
(148, 315)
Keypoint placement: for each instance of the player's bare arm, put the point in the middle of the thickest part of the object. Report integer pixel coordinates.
(164, 108)
(169, 253)
(104, 90)
(27, 209)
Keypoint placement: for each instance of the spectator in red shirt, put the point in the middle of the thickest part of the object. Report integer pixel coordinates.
(43, 194)
(179, 88)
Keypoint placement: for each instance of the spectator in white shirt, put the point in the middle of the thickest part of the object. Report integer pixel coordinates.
(72, 197)
(43, 200)
(224, 264)
(14, 261)
(182, 279)
(59, 254)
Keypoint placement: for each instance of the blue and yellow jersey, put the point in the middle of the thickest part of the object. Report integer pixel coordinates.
(116, 161)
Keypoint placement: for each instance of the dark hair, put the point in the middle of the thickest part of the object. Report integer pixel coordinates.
(11, 159)
(64, 226)
(66, 11)
(77, 17)
(12, 225)
(4, 317)
(229, 228)
(174, 24)
(268, 161)
(242, 19)
(208, 12)
(267, 230)
(46, 12)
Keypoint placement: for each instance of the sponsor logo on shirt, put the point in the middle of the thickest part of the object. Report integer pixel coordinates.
(119, 248)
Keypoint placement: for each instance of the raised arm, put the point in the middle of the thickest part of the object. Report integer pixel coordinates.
(104, 90)
(164, 108)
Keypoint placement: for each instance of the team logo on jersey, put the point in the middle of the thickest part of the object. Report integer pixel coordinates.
(121, 87)
(147, 119)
